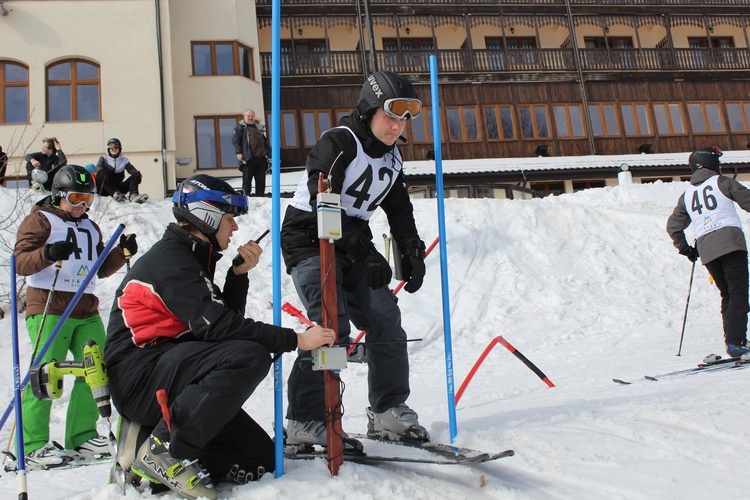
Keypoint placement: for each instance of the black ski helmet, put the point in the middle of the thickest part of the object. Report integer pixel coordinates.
(72, 178)
(114, 141)
(203, 200)
(379, 87)
(705, 158)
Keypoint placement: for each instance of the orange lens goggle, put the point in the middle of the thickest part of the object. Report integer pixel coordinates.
(76, 199)
(401, 107)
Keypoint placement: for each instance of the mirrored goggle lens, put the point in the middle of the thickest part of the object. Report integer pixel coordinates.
(76, 199)
(401, 108)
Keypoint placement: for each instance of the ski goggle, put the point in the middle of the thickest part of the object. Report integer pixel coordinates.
(235, 204)
(718, 152)
(78, 199)
(401, 107)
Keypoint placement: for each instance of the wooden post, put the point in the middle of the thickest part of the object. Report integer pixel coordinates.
(334, 430)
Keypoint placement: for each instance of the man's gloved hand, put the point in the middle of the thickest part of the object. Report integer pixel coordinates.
(413, 268)
(378, 270)
(59, 250)
(691, 253)
(129, 245)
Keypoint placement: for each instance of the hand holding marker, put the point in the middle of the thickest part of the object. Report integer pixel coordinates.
(238, 260)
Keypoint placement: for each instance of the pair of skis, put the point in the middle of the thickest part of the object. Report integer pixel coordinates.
(709, 365)
(435, 453)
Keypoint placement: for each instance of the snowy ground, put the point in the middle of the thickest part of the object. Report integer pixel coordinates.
(587, 286)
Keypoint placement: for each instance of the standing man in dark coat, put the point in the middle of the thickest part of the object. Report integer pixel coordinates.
(250, 144)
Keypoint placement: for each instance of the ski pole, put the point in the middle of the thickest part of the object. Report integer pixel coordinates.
(73, 302)
(20, 452)
(395, 291)
(687, 304)
(161, 398)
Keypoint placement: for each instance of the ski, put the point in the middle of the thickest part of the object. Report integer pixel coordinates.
(364, 458)
(713, 366)
(70, 463)
(466, 455)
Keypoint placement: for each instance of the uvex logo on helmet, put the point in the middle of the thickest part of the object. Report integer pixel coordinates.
(374, 86)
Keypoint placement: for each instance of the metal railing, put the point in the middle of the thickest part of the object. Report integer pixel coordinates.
(512, 60)
(501, 3)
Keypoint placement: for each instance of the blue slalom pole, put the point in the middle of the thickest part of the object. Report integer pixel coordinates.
(20, 453)
(67, 313)
(278, 379)
(443, 250)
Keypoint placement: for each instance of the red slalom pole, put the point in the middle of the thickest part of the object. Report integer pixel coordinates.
(500, 340)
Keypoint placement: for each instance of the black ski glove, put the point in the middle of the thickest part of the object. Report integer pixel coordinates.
(129, 245)
(413, 268)
(59, 250)
(378, 271)
(691, 253)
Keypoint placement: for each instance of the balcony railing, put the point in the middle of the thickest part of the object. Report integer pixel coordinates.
(513, 61)
(502, 3)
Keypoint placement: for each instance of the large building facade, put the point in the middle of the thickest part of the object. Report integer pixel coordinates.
(518, 79)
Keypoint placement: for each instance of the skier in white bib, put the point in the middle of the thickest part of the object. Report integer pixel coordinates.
(708, 204)
(362, 163)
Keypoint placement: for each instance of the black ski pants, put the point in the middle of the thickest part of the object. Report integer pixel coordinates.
(731, 277)
(374, 311)
(206, 383)
(108, 186)
(254, 168)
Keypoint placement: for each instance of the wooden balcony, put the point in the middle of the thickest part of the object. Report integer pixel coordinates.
(519, 62)
(504, 3)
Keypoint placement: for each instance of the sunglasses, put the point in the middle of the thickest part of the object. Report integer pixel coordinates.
(401, 107)
(77, 199)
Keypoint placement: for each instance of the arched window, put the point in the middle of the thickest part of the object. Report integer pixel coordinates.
(73, 91)
(14, 93)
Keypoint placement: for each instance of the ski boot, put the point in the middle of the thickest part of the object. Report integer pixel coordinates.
(399, 423)
(303, 436)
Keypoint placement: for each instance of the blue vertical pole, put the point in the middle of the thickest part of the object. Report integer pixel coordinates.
(278, 379)
(20, 453)
(443, 251)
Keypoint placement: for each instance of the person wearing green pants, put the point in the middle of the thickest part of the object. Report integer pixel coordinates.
(57, 245)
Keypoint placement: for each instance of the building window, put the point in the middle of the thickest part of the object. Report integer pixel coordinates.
(14, 93)
(548, 188)
(288, 129)
(462, 124)
(421, 126)
(738, 114)
(222, 58)
(705, 118)
(214, 141)
(534, 121)
(73, 91)
(498, 122)
(569, 120)
(604, 120)
(581, 185)
(314, 123)
(342, 113)
(669, 119)
(414, 52)
(635, 119)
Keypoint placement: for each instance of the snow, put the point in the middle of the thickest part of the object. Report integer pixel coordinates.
(588, 286)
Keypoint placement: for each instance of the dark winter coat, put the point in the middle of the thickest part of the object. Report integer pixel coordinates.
(29, 251)
(299, 231)
(169, 296)
(49, 164)
(719, 242)
(250, 140)
(114, 169)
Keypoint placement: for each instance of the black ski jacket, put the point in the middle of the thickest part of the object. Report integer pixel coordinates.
(168, 296)
(299, 231)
